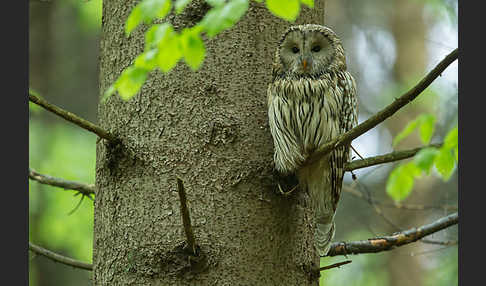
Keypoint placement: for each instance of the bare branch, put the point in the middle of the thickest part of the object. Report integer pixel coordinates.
(385, 243)
(388, 111)
(339, 264)
(186, 219)
(85, 189)
(387, 158)
(59, 258)
(72, 117)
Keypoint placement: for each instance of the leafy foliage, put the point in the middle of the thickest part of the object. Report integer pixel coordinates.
(424, 122)
(401, 180)
(164, 46)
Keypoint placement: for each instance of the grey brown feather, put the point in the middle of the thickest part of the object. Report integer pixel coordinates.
(311, 100)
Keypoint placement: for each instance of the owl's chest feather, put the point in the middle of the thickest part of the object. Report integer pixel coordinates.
(306, 110)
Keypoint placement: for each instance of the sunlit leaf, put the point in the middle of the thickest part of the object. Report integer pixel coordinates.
(180, 5)
(130, 82)
(109, 92)
(193, 48)
(134, 19)
(309, 3)
(451, 139)
(426, 128)
(399, 184)
(444, 162)
(405, 132)
(147, 60)
(425, 123)
(223, 17)
(146, 11)
(401, 180)
(155, 34)
(424, 159)
(288, 10)
(169, 50)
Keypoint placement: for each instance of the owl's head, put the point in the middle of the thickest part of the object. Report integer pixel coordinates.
(309, 51)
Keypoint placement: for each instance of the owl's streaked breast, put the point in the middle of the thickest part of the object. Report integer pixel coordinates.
(303, 115)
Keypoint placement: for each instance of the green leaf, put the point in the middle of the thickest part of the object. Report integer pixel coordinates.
(444, 162)
(401, 180)
(399, 184)
(224, 17)
(146, 11)
(133, 20)
(309, 3)
(425, 123)
(288, 10)
(130, 82)
(451, 139)
(193, 48)
(169, 50)
(147, 60)
(426, 129)
(424, 159)
(109, 92)
(405, 132)
(215, 3)
(180, 5)
(155, 34)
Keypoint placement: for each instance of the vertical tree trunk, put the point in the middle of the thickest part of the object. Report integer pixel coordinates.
(209, 128)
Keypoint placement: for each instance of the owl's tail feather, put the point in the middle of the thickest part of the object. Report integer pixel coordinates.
(324, 233)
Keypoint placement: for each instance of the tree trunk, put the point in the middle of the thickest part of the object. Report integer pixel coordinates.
(210, 129)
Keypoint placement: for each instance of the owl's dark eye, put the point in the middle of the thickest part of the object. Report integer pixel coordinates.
(295, 50)
(315, 49)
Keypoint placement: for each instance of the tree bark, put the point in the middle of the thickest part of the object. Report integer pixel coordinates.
(210, 129)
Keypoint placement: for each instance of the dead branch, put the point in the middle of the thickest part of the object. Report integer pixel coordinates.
(398, 239)
(59, 258)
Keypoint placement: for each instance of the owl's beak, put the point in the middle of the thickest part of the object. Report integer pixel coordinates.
(306, 64)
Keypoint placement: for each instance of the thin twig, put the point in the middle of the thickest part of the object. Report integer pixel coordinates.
(186, 219)
(77, 206)
(388, 111)
(387, 158)
(359, 155)
(59, 258)
(334, 265)
(385, 243)
(71, 117)
(85, 189)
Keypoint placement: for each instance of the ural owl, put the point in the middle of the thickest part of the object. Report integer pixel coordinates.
(311, 100)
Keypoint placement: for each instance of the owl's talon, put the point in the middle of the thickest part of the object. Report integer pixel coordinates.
(286, 194)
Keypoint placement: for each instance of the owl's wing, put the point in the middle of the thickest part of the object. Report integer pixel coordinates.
(348, 118)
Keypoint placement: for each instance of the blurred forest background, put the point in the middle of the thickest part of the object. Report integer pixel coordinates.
(390, 44)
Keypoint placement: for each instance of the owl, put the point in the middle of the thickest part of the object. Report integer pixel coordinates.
(312, 100)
